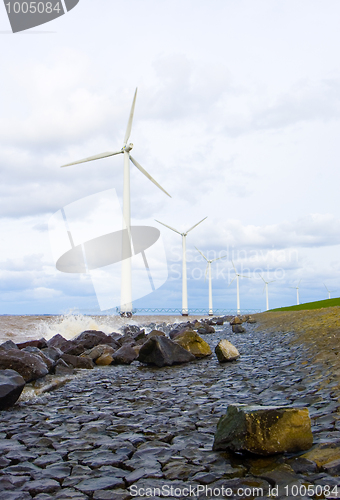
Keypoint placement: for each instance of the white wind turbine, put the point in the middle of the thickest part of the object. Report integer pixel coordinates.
(126, 279)
(237, 286)
(184, 265)
(329, 291)
(208, 269)
(297, 292)
(266, 287)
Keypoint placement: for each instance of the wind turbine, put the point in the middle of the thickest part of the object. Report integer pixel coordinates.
(297, 292)
(266, 287)
(184, 265)
(126, 279)
(208, 269)
(237, 287)
(329, 291)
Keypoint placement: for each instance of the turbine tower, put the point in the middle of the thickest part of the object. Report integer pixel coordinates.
(297, 292)
(126, 278)
(329, 291)
(208, 269)
(185, 311)
(237, 287)
(266, 287)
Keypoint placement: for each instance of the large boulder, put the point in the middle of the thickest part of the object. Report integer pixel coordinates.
(28, 365)
(125, 355)
(226, 351)
(35, 350)
(193, 343)
(264, 430)
(161, 351)
(11, 386)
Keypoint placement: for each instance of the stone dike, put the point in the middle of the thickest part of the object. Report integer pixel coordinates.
(134, 430)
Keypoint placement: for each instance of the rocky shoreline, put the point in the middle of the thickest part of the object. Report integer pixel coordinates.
(128, 431)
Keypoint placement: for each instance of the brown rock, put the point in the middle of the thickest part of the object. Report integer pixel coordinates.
(225, 351)
(236, 321)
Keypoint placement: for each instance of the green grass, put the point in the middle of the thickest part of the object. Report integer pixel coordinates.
(310, 305)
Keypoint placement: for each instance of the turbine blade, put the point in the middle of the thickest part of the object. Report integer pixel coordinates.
(196, 225)
(169, 227)
(201, 254)
(95, 157)
(241, 276)
(234, 266)
(136, 164)
(129, 125)
(232, 281)
(261, 277)
(218, 258)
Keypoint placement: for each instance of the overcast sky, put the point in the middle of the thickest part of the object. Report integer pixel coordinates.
(237, 117)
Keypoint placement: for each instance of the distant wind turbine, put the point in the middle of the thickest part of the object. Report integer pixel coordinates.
(297, 292)
(237, 286)
(208, 269)
(126, 279)
(329, 291)
(184, 265)
(266, 287)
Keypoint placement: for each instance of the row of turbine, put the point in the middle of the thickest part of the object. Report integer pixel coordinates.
(185, 310)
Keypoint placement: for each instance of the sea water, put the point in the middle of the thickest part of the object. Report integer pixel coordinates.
(23, 328)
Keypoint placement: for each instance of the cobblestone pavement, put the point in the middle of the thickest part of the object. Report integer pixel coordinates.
(122, 432)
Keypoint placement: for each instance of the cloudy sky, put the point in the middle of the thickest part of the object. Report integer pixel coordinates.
(237, 117)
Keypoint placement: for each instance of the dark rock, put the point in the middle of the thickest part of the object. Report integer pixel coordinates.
(53, 353)
(91, 338)
(238, 329)
(40, 344)
(58, 341)
(161, 351)
(155, 333)
(35, 350)
(29, 366)
(11, 386)
(125, 355)
(78, 361)
(9, 344)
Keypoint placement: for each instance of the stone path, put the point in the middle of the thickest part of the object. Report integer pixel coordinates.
(140, 427)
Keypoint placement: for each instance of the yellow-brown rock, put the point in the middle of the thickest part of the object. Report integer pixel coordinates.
(226, 351)
(193, 343)
(104, 360)
(264, 430)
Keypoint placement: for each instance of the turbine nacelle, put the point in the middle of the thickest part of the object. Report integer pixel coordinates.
(127, 148)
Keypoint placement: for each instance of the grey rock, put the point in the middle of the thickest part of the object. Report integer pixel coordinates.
(29, 366)
(161, 351)
(11, 386)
